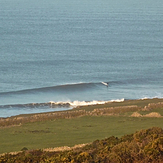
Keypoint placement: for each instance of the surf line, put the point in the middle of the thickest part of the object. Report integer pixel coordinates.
(107, 84)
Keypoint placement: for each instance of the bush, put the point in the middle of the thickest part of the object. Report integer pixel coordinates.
(24, 149)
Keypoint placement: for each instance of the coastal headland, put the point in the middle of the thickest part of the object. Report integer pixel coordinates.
(81, 125)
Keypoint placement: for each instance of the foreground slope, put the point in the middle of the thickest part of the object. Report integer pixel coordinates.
(80, 125)
(142, 146)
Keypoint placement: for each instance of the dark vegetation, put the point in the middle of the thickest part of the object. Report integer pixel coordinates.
(143, 146)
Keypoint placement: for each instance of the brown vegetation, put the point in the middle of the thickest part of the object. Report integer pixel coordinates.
(136, 114)
(152, 114)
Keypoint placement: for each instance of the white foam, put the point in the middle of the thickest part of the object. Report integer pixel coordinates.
(84, 103)
(78, 103)
(146, 98)
(118, 100)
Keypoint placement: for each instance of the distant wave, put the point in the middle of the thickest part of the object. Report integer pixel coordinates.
(66, 87)
(56, 89)
(72, 87)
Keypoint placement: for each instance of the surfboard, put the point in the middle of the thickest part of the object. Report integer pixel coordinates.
(105, 83)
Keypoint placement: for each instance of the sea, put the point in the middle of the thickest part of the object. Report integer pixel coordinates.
(59, 54)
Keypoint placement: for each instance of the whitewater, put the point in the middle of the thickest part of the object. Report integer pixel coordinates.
(56, 55)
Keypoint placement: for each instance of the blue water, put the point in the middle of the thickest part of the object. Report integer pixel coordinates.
(61, 51)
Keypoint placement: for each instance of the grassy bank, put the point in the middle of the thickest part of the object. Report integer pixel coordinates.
(55, 132)
(142, 146)
(68, 132)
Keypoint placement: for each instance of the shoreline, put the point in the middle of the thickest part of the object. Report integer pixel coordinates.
(110, 108)
(84, 104)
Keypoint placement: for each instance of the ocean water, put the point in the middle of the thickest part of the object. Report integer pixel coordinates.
(55, 54)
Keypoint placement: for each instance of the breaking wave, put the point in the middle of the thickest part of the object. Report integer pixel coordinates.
(57, 88)
(62, 88)
(87, 103)
(53, 104)
(72, 87)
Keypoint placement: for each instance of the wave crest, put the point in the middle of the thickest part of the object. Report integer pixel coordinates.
(85, 103)
(52, 104)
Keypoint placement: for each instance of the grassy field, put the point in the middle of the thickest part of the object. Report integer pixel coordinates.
(69, 132)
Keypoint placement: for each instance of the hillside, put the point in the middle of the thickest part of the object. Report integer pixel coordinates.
(142, 146)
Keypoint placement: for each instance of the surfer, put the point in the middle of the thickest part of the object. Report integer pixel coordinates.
(107, 84)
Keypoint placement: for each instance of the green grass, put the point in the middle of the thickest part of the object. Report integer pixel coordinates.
(68, 132)
(158, 110)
